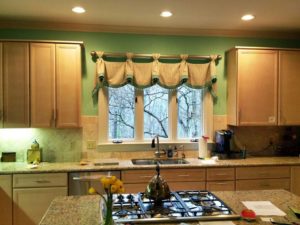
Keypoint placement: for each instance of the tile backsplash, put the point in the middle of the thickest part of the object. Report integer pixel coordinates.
(58, 145)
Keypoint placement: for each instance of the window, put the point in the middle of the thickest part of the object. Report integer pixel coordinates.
(121, 107)
(155, 112)
(137, 115)
(189, 106)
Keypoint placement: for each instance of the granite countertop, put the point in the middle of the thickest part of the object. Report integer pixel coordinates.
(85, 210)
(123, 164)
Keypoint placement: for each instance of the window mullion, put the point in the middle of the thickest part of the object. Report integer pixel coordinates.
(139, 116)
(173, 115)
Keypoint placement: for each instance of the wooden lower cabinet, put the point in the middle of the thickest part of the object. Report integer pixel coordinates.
(33, 193)
(263, 177)
(30, 204)
(220, 179)
(177, 179)
(295, 180)
(263, 184)
(5, 200)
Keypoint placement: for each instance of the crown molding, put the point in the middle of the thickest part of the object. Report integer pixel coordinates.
(147, 30)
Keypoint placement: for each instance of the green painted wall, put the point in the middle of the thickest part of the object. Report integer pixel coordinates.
(146, 44)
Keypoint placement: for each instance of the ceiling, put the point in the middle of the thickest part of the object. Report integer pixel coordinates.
(189, 16)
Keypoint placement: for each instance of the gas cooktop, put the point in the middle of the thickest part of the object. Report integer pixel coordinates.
(182, 206)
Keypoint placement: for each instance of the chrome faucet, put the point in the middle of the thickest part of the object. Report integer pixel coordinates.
(158, 152)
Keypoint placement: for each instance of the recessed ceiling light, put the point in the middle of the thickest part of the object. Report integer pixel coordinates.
(166, 14)
(78, 9)
(247, 17)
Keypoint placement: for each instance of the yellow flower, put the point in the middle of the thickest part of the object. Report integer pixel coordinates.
(112, 179)
(105, 182)
(121, 190)
(118, 183)
(92, 190)
(114, 188)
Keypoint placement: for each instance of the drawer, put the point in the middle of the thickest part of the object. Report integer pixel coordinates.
(263, 184)
(183, 174)
(262, 172)
(40, 180)
(191, 185)
(220, 174)
(220, 186)
(137, 176)
(144, 176)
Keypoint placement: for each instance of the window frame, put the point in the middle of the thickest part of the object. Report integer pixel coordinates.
(139, 143)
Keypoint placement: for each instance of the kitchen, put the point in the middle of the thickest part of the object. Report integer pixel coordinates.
(71, 145)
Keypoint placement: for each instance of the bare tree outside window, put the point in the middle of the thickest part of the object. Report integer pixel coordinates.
(155, 112)
(121, 112)
(189, 103)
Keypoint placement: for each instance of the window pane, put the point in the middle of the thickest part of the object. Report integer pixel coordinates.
(155, 112)
(121, 112)
(189, 124)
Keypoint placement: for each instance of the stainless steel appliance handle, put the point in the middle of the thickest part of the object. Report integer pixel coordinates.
(88, 178)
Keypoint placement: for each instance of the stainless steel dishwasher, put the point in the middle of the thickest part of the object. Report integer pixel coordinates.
(80, 182)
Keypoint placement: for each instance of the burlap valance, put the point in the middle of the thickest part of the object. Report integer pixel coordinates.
(167, 75)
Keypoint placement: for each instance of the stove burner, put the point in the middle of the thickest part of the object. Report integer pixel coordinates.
(182, 206)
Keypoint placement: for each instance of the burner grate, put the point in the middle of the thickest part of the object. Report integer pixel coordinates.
(182, 206)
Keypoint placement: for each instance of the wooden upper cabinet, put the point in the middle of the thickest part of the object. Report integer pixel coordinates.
(15, 84)
(289, 92)
(1, 87)
(55, 85)
(42, 81)
(68, 85)
(252, 87)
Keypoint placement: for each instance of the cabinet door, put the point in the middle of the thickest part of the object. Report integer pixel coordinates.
(30, 204)
(42, 75)
(1, 88)
(257, 87)
(295, 180)
(289, 93)
(68, 85)
(5, 200)
(16, 84)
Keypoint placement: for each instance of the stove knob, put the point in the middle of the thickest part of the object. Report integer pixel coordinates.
(120, 198)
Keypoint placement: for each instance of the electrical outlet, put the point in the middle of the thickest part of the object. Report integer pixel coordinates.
(91, 144)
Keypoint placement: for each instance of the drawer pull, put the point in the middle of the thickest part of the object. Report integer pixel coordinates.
(146, 176)
(43, 181)
(221, 183)
(264, 174)
(183, 175)
(221, 174)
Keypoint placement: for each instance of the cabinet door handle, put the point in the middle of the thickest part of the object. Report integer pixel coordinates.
(264, 174)
(221, 183)
(43, 181)
(265, 185)
(145, 176)
(183, 175)
(221, 174)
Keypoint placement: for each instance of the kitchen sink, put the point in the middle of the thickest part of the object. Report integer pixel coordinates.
(173, 161)
(160, 161)
(144, 161)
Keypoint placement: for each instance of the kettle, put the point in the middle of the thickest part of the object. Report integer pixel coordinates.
(157, 189)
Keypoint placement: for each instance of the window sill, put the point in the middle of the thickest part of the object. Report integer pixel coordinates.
(144, 146)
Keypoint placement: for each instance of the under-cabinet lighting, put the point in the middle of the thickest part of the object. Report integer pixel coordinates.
(248, 17)
(78, 9)
(166, 14)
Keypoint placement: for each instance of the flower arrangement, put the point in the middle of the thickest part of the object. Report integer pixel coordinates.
(111, 185)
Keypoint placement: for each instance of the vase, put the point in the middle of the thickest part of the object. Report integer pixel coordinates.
(107, 211)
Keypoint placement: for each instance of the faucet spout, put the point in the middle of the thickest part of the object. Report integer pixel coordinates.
(157, 153)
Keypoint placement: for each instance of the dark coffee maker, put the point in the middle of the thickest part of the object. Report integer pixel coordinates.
(223, 138)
